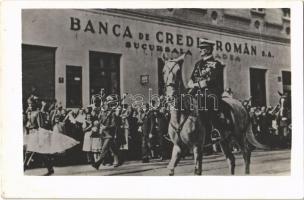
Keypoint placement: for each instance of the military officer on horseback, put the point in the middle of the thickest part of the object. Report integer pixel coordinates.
(205, 81)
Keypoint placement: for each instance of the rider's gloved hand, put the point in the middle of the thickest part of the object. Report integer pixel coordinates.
(203, 84)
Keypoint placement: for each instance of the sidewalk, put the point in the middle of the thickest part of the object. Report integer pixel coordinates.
(126, 167)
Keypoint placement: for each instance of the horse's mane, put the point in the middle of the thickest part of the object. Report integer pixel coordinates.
(182, 90)
(185, 102)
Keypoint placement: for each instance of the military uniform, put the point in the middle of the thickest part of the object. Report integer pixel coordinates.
(208, 70)
(206, 78)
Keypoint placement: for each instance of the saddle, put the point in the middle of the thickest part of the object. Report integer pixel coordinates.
(221, 120)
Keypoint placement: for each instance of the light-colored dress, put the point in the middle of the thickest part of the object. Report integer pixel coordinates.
(48, 142)
(91, 144)
(87, 142)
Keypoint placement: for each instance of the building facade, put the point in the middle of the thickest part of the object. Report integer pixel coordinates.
(72, 54)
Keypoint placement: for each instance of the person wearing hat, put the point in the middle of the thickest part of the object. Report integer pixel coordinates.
(33, 124)
(55, 112)
(108, 125)
(206, 79)
(227, 93)
(206, 72)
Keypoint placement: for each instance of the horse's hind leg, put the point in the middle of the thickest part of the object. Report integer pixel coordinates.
(229, 156)
(246, 155)
(197, 153)
(175, 157)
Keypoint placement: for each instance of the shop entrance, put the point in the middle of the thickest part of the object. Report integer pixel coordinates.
(38, 72)
(104, 73)
(257, 87)
(73, 86)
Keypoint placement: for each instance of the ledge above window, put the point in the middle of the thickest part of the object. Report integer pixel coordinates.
(286, 18)
(258, 11)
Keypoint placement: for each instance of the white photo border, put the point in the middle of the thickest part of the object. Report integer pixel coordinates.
(16, 185)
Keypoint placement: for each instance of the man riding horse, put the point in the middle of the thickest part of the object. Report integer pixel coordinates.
(187, 129)
(205, 81)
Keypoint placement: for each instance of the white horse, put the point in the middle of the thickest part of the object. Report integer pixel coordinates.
(187, 130)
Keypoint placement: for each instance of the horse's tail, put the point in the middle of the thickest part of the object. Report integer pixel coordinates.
(242, 122)
(252, 140)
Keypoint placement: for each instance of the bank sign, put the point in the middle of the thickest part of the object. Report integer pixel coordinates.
(163, 41)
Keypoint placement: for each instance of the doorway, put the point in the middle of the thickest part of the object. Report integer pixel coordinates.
(73, 86)
(257, 87)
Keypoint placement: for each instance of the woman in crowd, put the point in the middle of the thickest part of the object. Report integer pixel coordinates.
(87, 141)
(40, 140)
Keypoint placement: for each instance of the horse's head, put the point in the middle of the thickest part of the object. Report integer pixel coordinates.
(284, 103)
(172, 75)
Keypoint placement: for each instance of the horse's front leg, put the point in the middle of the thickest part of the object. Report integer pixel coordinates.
(175, 157)
(198, 157)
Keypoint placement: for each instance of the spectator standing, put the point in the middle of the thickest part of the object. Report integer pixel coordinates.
(108, 123)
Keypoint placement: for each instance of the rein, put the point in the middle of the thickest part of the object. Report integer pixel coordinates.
(180, 127)
(217, 141)
(170, 72)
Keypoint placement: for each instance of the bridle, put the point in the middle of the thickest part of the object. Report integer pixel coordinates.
(170, 72)
(180, 126)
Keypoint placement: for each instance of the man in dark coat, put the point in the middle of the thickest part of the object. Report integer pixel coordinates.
(108, 124)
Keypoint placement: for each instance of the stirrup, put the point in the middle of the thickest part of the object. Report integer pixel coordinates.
(215, 135)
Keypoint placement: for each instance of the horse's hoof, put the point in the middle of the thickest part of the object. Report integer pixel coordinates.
(171, 173)
(96, 166)
(197, 172)
(49, 173)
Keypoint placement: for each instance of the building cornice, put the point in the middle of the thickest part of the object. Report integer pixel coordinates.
(202, 26)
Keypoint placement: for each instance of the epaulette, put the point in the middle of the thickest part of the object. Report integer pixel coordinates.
(211, 64)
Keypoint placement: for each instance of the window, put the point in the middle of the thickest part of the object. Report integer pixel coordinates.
(287, 30)
(104, 73)
(198, 10)
(214, 15)
(257, 24)
(286, 12)
(260, 9)
(38, 71)
(286, 81)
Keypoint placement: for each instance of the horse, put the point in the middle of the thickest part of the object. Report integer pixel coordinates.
(186, 129)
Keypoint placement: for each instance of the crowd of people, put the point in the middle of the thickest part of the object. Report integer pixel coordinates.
(109, 136)
(106, 136)
(265, 125)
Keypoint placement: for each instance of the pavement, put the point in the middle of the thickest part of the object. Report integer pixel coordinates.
(269, 163)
